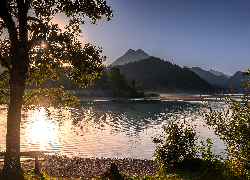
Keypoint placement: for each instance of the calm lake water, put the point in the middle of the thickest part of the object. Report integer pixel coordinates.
(110, 130)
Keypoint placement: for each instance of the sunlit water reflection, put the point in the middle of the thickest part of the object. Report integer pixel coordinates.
(111, 130)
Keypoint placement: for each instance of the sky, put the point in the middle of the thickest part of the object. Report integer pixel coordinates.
(210, 34)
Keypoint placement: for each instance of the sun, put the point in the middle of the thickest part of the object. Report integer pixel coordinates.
(41, 132)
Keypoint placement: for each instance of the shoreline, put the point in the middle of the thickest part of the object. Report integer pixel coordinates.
(162, 97)
(77, 167)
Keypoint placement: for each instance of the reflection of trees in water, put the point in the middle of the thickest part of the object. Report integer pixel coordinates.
(130, 118)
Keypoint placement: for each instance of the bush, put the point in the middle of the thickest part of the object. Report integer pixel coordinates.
(232, 125)
(180, 144)
(151, 94)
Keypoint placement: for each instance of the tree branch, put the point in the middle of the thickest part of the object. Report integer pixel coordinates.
(6, 17)
(29, 98)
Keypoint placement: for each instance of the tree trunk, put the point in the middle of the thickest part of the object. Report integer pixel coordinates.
(20, 64)
(12, 167)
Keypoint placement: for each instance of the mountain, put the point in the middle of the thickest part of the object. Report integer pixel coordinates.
(236, 82)
(221, 81)
(130, 56)
(217, 73)
(163, 76)
(214, 80)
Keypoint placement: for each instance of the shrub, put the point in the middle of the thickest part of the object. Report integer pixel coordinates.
(232, 125)
(206, 152)
(151, 94)
(180, 144)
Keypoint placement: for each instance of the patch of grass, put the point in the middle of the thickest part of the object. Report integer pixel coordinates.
(151, 94)
(30, 174)
(196, 169)
(161, 174)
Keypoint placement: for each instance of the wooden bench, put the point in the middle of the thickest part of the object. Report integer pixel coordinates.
(33, 154)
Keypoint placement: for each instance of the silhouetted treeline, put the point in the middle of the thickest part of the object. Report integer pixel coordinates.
(112, 83)
(152, 74)
(162, 76)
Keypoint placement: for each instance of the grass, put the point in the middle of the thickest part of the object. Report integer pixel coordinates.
(196, 169)
(151, 94)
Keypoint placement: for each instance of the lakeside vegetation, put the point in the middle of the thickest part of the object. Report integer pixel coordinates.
(111, 84)
(199, 170)
(177, 151)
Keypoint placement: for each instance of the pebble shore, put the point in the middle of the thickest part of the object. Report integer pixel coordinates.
(76, 167)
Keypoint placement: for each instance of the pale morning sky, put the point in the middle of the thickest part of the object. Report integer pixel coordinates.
(211, 34)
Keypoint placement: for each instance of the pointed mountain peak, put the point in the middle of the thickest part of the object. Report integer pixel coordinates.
(131, 56)
(130, 50)
(139, 50)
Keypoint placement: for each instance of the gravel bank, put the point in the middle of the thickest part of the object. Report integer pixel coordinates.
(60, 166)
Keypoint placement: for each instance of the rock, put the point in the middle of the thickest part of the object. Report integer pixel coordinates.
(114, 172)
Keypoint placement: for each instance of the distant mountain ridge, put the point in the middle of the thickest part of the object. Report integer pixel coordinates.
(131, 56)
(217, 73)
(210, 77)
(158, 75)
(219, 80)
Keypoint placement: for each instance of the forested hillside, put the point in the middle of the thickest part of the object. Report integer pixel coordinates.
(163, 76)
(151, 74)
(218, 82)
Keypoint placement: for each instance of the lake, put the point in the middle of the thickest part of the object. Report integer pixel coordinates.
(105, 129)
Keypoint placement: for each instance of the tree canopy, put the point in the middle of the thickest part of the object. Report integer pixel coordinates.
(116, 84)
(37, 49)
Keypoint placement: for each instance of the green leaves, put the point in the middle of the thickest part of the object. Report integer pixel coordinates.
(179, 144)
(36, 49)
(232, 124)
(51, 49)
(55, 97)
(206, 152)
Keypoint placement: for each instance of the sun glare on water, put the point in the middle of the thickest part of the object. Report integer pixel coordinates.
(41, 133)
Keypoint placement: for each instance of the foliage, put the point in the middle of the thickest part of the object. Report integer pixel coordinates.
(206, 152)
(63, 81)
(195, 170)
(111, 83)
(140, 92)
(45, 97)
(178, 156)
(114, 82)
(151, 94)
(231, 124)
(117, 82)
(178, 146)
(37, 49)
